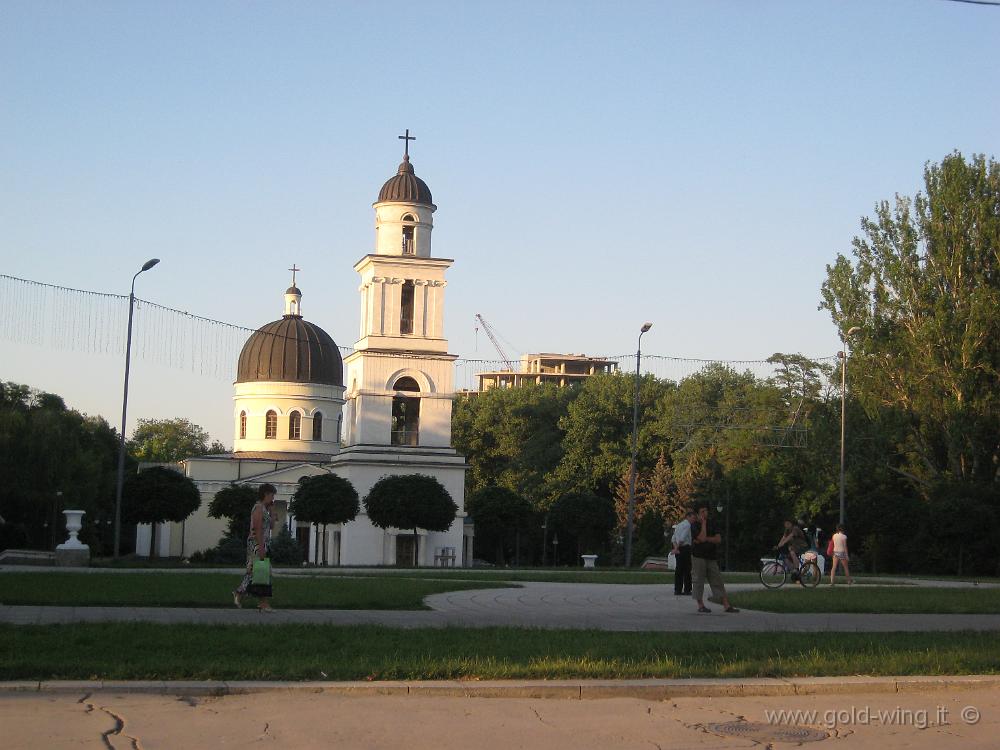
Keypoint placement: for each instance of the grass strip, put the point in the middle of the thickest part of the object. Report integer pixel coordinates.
(145, 651)
(542, 575)
(213, 590)
(871, 599)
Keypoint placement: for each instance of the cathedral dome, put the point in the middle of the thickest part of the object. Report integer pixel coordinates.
(405, 187)
(291, 350)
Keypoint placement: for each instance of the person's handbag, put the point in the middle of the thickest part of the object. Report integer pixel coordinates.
(260, 579)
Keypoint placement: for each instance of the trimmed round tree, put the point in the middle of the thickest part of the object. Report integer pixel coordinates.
(157, 495)
(410, 501)
(498, 511)
(322, 500)
(235, 503)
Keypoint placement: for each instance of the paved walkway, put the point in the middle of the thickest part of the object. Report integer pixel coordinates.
(446, 720)
(612, 607)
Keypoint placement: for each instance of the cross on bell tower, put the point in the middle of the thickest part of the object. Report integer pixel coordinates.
(406, 138)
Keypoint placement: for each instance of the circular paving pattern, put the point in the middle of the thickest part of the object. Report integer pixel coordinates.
(762, 732)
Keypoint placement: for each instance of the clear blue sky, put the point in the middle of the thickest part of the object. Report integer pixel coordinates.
(595, 165)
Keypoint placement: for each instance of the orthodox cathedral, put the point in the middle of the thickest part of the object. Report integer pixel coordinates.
(300, 409)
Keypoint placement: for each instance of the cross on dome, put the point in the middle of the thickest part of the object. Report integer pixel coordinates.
(293, 269)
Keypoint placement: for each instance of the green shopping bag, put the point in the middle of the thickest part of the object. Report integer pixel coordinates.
(260, 579)
(261, 572)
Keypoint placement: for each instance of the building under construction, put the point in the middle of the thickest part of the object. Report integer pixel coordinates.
(560, 369)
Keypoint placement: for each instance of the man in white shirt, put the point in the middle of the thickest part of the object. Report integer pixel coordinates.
(681, 542)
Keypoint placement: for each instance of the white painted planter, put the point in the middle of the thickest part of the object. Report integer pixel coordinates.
(589, 560)
(74, 522)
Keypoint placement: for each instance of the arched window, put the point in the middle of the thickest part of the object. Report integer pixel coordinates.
(318, 426)
(408, 244)
(295, 425)
(406, 308)
(271, 425)
(243, 425)
(405, 413)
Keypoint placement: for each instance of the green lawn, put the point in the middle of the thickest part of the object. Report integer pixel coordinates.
(553, 575)
(146, 651)
(213, 590)
(879, 599)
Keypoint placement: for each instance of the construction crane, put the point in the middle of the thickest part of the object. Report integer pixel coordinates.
(500, 351)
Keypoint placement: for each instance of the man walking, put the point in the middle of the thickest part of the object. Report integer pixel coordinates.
(705, 541)
(681, 542)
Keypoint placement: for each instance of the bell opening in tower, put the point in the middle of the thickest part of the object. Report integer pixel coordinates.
(406, 307)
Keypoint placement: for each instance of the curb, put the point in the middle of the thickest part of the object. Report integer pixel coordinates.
(561, 689)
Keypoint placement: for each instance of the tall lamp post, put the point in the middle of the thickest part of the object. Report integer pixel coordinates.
(843, 413)
(635, 449)
(121, 443)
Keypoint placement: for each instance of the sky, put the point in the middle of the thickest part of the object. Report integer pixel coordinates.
(595, 165)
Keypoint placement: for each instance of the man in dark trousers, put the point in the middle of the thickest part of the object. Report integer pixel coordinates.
(705, 541)
(681, 542)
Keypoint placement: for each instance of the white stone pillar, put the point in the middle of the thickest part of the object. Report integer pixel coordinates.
(377, 300)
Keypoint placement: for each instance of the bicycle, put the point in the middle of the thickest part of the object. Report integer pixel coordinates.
(774, 573)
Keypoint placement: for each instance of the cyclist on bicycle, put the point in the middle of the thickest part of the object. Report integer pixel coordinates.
(793, 542)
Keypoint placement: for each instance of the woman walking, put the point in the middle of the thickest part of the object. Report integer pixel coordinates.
(258, 544)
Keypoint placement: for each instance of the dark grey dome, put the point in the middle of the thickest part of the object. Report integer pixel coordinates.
(406, 187)
(291, 350)
(293, 290)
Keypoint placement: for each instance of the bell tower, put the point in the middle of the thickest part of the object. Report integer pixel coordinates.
(399, 378)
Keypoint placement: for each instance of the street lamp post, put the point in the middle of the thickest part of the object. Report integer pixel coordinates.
(121, 442)
(635, 449)
(843, 414)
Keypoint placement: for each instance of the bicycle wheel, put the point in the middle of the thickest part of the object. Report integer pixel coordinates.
(810, 574)
(772, 574)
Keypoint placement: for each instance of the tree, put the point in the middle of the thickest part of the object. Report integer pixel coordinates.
(598, 428)
(170, 440)
(497, 512)
(587, 518)
(53, 458)
(235, 503)
(924, 290)
(410, 501)
(511, 438)
(324, 499)
(157, 495)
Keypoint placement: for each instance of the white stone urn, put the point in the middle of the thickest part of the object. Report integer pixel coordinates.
(74, 522)
(589, 560)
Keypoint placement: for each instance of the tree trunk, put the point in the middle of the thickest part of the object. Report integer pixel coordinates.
(316, 545)
(416, 544)
(152, 541)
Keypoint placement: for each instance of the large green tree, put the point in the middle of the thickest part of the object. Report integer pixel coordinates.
(53, 458)
(500, 515)
(156, 495)
(410, 501)
(323, 500)
(923, 287)
(514, 435)
(170, 440)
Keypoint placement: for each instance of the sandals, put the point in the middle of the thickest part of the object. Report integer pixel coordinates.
(703, 610)
(238, 599)
(731, 609)
(268, 610)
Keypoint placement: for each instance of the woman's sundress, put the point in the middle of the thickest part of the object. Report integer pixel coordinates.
(252, 553)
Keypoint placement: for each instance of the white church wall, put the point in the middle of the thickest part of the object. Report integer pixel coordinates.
(258, 397)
